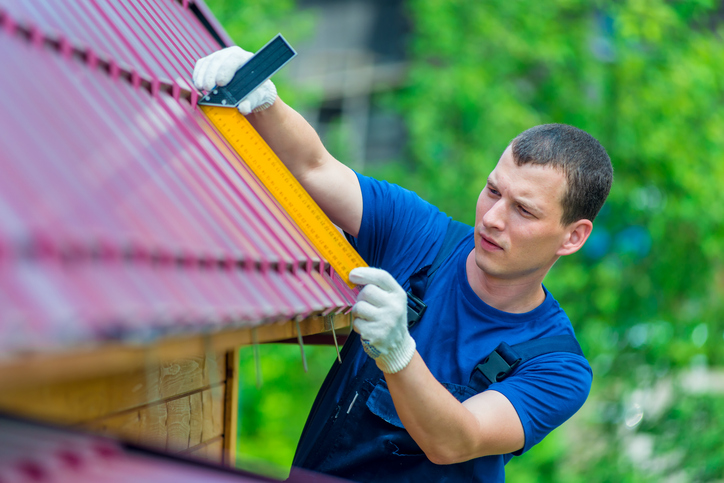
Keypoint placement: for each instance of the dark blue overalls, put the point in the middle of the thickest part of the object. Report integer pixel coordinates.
(361, 438)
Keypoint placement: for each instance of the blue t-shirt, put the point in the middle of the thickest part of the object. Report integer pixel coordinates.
(400, 233)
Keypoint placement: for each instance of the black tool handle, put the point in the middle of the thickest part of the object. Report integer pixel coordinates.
(265, 63)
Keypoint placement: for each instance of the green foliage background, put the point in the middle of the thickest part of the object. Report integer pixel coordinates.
(645, 296)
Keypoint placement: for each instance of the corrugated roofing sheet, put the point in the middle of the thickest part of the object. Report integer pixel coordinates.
(122, 212)
(32, 453)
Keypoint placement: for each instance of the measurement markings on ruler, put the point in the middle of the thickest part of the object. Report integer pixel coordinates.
(285, 188)
(219, 107)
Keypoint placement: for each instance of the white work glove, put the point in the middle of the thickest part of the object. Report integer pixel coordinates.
(219, 68)
(380, 318)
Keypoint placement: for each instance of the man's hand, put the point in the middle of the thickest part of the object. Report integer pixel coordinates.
(219, 68)
(380, 318)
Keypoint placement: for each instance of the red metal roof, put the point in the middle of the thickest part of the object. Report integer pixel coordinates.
(122, 212)
(31, 453)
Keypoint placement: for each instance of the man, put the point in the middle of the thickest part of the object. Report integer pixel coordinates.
(403, 406)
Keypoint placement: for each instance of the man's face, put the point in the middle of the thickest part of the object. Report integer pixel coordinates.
(517, 220)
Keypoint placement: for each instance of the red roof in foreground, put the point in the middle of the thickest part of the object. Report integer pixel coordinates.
(33, 453)
(122, 212)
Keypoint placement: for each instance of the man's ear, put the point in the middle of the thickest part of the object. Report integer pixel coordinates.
(576, 235)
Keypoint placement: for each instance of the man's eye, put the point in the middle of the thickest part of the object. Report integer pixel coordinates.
(493, 191)
(524, 211)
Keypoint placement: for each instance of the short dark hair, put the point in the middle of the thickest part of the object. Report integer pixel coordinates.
(582, 159)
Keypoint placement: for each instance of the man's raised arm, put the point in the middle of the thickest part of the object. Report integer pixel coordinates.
(331, 184)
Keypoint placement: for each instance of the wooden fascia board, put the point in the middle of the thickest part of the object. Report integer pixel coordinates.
(88, 361)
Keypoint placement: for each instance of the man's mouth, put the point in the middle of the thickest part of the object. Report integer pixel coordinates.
(489, 244)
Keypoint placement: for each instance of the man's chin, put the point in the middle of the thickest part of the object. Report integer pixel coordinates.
(489, 268)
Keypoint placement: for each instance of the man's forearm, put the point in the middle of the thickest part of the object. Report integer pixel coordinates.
(332, 185)
(291, 137)
(449, 431)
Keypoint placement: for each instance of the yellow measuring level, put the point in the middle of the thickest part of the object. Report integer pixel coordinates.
(282, 184)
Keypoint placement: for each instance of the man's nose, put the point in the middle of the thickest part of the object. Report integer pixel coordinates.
(494, 218)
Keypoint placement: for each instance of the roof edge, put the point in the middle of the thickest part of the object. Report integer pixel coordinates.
(209, 21)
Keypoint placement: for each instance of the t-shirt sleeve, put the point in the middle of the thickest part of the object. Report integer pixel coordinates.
(546, 392)
(399, 231)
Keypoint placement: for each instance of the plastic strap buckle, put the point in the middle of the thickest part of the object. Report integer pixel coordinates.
(495, 368)
(415, 308)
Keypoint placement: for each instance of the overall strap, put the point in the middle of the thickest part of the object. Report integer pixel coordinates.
(505, 358)
(420, 280)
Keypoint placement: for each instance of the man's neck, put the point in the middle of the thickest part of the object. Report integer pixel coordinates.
(513, 296)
